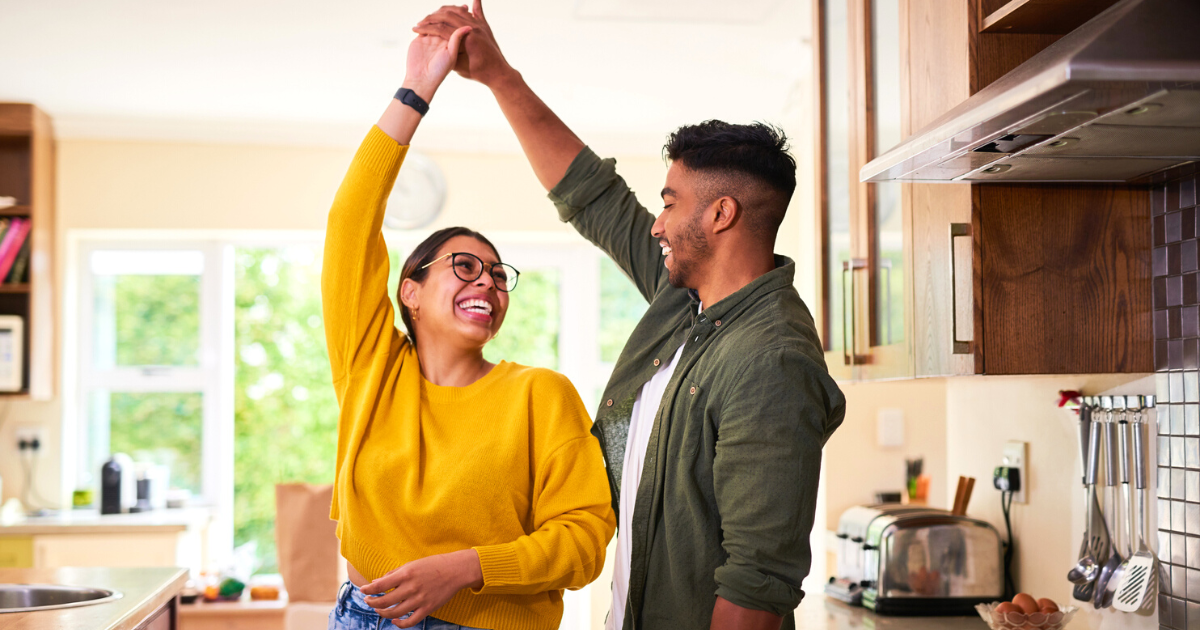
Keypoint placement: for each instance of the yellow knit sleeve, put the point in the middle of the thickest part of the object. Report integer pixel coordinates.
(573, 515)
(358, 314)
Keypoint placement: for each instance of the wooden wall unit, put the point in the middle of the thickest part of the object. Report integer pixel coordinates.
(27, 173)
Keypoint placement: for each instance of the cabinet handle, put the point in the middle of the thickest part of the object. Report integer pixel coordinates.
(849, 357)
(960, 347)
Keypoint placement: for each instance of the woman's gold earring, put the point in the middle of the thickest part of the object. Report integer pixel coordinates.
(416, 314)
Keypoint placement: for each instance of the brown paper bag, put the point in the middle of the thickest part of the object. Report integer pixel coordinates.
(307, 542)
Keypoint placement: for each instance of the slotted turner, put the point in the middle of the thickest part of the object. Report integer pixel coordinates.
(1141, 574)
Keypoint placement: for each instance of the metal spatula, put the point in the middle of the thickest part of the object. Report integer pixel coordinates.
(1141, 574)
(1102, 596)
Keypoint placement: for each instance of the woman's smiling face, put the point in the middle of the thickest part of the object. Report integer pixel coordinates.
(453, 310)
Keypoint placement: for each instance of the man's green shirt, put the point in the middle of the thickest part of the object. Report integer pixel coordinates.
(728, 491)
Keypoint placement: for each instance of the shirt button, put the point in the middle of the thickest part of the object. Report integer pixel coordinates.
(693, 390)
(717, 323)
(609, 403)
(656, 362)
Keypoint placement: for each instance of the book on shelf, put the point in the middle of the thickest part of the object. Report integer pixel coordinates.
(14, 237)
(20, 267)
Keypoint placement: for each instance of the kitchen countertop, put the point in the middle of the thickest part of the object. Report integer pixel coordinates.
(145, 591)
(92, 522)
(817, 612)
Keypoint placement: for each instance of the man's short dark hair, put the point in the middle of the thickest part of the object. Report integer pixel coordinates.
(735, 155)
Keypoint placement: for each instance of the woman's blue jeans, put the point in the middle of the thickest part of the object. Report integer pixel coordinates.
(353, 613)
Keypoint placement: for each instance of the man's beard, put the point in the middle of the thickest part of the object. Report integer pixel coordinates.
(687, 249)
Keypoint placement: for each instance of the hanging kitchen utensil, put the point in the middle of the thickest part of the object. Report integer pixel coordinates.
(1111, 507)
(1095, 550)
(1095, 547)
(1141, 572)
(1121, 572)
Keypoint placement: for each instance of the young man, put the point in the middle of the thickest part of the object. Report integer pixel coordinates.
(713, 421)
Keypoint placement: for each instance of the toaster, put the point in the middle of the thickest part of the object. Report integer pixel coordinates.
(850, 578)
(917, 561)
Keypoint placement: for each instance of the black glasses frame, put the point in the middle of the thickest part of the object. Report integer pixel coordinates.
(510, 281)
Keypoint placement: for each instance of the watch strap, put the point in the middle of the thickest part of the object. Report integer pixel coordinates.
(410, 98)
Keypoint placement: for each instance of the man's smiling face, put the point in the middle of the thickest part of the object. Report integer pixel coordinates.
(679, 228)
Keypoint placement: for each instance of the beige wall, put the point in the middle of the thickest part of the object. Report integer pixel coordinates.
(856, 467)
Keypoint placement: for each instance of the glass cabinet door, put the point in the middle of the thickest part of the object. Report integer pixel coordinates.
(833, 85)
(885, 247)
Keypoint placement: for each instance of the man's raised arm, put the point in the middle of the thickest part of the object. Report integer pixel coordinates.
(548, 143)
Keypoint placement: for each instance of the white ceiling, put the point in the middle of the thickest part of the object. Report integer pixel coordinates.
(623, 73)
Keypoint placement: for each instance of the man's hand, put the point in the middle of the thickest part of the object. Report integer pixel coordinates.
(729, 616)
(430, 59)
(480, 58)
(422, 586)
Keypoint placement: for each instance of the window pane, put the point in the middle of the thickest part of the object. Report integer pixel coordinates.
(158, 427)
(837, 162)
(529, 335)
(146, 308)
(621, 308)
(285, 408)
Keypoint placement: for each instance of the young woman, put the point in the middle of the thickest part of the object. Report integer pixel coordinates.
(468, 494)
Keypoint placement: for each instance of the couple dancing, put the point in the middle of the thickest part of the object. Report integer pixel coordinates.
(470, 494)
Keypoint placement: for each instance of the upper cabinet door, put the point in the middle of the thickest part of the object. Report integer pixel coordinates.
(880, 103)
(866, 297)
(840, 263)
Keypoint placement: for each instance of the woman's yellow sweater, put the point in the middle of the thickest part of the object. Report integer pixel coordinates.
(505, 465)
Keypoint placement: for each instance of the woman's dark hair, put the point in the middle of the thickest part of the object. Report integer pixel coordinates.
(424, 254)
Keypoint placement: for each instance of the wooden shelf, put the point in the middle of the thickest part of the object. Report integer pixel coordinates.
(1052, 17)
(15, 288)
(15, 211)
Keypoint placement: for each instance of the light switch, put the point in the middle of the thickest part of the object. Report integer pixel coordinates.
(890, 429)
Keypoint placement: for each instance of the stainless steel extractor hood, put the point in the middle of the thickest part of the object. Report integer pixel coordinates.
(1116, 100)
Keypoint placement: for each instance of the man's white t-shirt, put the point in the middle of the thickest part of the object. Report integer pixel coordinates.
(641, 424)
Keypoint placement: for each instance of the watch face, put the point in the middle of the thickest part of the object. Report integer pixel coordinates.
(418, 196)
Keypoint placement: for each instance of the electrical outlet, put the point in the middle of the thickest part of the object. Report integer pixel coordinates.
(1015, 456)
(28, 433)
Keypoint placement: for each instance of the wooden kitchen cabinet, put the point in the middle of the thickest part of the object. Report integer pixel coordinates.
(1015, 279)
(27, 174)
(997, 279)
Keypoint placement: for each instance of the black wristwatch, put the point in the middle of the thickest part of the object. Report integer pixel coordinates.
(410, 98)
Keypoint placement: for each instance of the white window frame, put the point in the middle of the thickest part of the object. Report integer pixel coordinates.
(212, 378)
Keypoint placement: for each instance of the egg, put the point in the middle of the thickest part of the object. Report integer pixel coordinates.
(1026, 602)
(1045, 603)
(1008, 607)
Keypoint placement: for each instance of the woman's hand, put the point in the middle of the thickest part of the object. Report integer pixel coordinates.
(422, 586)
(481, 59)
(430, 59)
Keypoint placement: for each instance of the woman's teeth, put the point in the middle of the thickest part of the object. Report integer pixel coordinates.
(476, 306)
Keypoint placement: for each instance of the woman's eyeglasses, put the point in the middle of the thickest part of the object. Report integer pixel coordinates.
(468, 267)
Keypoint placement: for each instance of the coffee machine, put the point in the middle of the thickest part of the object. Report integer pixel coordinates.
(118, 485)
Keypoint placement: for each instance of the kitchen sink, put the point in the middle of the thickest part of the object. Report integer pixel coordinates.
(34, 597)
